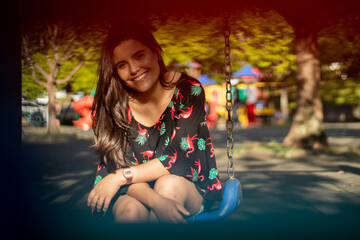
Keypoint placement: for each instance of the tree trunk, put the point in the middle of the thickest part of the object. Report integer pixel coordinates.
(53, 128)
(307, 128)
(284, 103)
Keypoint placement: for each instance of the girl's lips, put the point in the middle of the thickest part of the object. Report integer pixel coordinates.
(139, 78)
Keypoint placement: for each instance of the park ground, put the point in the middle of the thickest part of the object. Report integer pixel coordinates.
(288, 193)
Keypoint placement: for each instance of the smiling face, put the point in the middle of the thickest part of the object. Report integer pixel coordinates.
(137, 65)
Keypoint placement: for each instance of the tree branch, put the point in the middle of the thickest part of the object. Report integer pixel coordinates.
(25, 50)
(36, 80)
(68, 54)
(69, 76)
(69, 43)
(56, 70)
(41, 70)
(53, 34)
(55, 51)
(50, 62)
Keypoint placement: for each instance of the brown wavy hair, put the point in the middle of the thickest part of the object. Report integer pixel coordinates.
(111, 127)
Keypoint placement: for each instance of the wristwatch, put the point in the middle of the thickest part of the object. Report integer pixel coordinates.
(128, 174)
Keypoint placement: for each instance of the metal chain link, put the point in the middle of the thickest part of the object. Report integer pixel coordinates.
(229, 102)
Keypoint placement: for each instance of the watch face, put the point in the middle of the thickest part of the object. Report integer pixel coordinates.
(128, 173)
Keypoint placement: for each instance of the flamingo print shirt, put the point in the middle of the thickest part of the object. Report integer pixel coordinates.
(180, 139)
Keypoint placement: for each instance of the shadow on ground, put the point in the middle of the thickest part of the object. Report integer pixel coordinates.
(312, 196)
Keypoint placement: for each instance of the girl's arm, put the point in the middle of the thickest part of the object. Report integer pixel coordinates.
(102, 194)
(143, 193)
(145, 172)
(166, 210)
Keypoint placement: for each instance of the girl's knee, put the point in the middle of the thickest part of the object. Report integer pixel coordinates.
(171, 186)
(130, 212)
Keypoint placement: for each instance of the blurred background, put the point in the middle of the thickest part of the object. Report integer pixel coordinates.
(271, 84)
(295, 74)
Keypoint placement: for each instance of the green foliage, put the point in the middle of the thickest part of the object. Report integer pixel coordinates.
(340, 42)
(29, 87)
(60, 46)
(261, 38)
(344, 33)
(341, 92)
(218, 77)
(83, 80)
(265, 40)
(189, 38)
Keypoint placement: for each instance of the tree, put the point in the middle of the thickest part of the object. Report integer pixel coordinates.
(307, 127)
(344, 33)
(265, 40)
(191, 38)
(341, 65)
(307, 21)
(86, 78)
(53, 53)
(28, 86)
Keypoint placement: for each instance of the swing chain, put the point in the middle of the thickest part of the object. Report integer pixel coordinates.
(229, 103)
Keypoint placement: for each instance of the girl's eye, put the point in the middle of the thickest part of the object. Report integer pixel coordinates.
(121, 65)
(139, 56)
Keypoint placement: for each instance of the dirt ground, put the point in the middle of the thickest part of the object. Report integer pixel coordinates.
(288, 193)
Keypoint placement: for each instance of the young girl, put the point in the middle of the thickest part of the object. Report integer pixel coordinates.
(157, 157)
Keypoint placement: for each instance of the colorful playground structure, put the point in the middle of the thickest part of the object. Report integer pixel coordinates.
(83, 107)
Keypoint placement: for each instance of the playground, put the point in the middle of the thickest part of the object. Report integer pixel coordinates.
(288, 193)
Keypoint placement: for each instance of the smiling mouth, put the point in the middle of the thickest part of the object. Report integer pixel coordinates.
(140, 77)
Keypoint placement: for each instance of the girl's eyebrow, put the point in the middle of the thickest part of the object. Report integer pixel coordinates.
(139, 51)
(136, 53)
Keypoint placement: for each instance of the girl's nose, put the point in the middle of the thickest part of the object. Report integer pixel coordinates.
(134, 68)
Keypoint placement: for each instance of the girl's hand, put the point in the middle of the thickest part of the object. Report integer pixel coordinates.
(170, 211)
(101, 195)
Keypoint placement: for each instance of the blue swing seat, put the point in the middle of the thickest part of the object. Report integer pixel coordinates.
(232, 197)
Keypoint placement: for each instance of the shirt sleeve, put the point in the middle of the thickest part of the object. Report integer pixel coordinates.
(101, 172)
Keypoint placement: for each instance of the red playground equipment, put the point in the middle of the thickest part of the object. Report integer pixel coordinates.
(83, 107)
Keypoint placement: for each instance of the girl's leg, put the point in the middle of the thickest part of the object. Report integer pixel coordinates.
(129, 210)
(179, 189)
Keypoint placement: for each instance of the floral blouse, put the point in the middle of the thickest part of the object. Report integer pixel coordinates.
(180, 139)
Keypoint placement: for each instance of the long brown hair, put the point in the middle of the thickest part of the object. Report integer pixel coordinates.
(111, 127)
